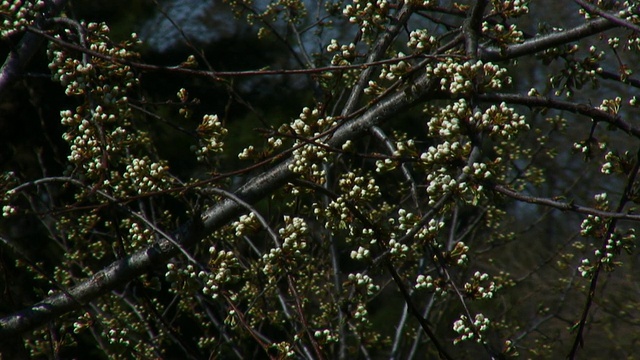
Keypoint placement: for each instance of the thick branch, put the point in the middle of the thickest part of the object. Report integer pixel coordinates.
(99, 284)
(547, 41)
(259, 187)
(472, 28)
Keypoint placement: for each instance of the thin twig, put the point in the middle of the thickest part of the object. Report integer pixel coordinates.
(563, 205)
(592, 9)
(583, 109)
(247, 206)
(218, 75)
(631, 178)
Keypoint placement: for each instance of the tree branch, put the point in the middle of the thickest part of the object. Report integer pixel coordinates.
(99, 284)
(379, 49)
(592, 9)
(583, 109)
(626, 196)
(547, 41)
(472, 28)
(18, 59)
(564, 206)
(142, 261)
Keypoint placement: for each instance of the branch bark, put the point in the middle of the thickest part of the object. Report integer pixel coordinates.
(99, 284)
(547, 41)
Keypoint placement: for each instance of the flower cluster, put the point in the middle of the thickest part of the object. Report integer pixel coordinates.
(633, 42)
(475, 288)
(344, 54)
(406, 220)
(146, 176)
(469, 330)
(615, 163)
(245, 224)
(293, 235)
(83, 137)
(588, 146)
(430, 230)
(397, 249)
(403, 148)
(593, 226)
(83, 322)
(210, 133)
(325, 336)
(454, 125)
(503, 35)
(100, 133)
(289, 11)
(612, 106)
(596, 227)
(355, 190)
(421, 41)
(361, 313)
(308, 158)
(18, 14)
(511, 8)
(307, 122)
(183, 278)
(500, 121)
(360, 254)
(394, 71)
(140, 235)
(8, 210)
(363, 281)
(611, 248)
(626, 10)
(385, 165)
(577, 71)
(477, 170)
(369, 15)
(80, 76)
(118, 335)
(586, 268)
(77, 229)
(289, 254)
(374, 88)
(8, 181)
(358, 188)
(462, 78)
(458, 255)
(221, 271)
(438, 286)
(615, 242)
(284, 349)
